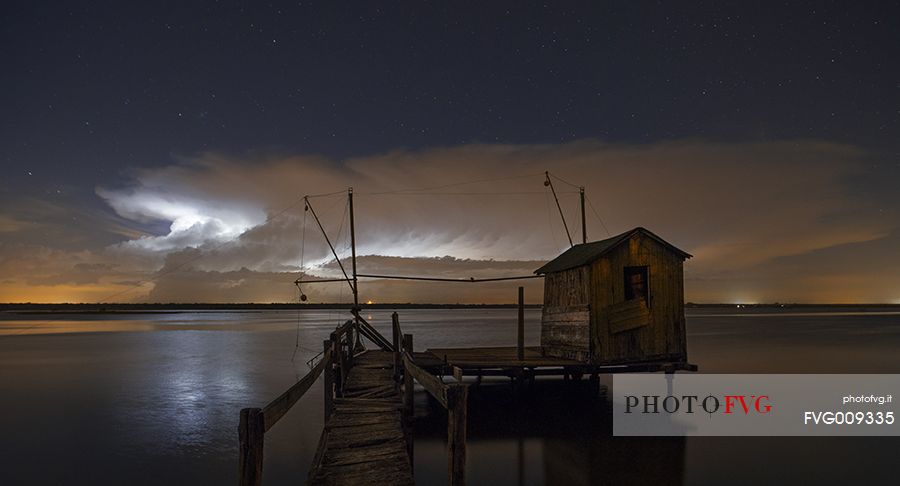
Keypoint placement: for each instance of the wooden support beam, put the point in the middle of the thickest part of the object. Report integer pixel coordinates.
(395, 334)
(328, 379)
(370, 332)
(337, 357)
(520, 350)
(251, 436)
(408, 386)
(432, 384)
(457, 398)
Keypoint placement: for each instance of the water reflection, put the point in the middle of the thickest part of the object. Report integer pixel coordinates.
(555, 433)
(156, 401)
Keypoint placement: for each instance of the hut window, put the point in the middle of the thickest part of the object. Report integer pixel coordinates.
(637, 283)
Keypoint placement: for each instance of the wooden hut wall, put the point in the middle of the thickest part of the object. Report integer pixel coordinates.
(663, 337)
(565, 322)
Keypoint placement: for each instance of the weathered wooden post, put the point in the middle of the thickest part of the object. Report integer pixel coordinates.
(328, 379)
(395, 328)
(408, 393)
(251, 435)
(408, 384)
(520, 348)
(338, 360)
(457, 396)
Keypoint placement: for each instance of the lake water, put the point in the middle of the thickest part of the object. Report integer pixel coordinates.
(154, 399)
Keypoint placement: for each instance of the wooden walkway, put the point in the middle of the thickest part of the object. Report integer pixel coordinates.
(364, 440)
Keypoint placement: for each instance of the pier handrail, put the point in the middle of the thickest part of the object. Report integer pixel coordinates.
(337, 356)
(342, 347)
(279, 406)
(432, 384)
(452, 396)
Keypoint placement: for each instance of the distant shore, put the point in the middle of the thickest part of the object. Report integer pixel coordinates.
(145, 308)
(176, 307)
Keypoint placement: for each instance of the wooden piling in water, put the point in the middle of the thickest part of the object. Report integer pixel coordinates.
(251, 433)
(457, 398)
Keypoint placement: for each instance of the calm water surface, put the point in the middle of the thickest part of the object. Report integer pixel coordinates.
(154, 399)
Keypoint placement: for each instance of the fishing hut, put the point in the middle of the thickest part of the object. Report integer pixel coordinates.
(614, 301)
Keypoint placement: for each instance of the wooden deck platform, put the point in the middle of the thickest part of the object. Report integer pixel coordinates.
(494, 357)
(364, 440)
(504, 361)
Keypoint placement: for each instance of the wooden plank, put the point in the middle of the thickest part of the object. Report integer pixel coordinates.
(565, 327)
(364, 437)
(431, 383)
(361, 403)
(278, 407)
(628, 315)
(560, 312)
(371, 419)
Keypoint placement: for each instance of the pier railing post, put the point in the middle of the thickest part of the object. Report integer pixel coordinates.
(339, 362)
(328, 379)
(457, 398)
(395, 330)
(520, 345)
(408, 384)
(251, 435)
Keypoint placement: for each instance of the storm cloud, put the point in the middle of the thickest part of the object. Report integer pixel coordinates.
(236, 225)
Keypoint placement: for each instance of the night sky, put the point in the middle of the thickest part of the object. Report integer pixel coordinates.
(157, 151)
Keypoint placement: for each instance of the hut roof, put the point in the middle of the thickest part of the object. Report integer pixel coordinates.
(585, 253)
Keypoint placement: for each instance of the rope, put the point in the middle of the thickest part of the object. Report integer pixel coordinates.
(560, 179)
(597, 215)
(299, 291)
(455, 184)
(550, 219)
(511, 193)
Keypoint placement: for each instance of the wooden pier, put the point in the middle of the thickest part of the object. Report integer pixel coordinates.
(368, 402)
(364, 441)
(368, 407)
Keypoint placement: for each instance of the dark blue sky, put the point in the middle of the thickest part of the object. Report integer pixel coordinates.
(89, 89)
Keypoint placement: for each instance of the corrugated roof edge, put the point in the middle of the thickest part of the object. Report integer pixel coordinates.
(585, 253)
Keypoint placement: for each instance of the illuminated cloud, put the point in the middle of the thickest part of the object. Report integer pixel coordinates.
(743, 209)
(193, 221)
